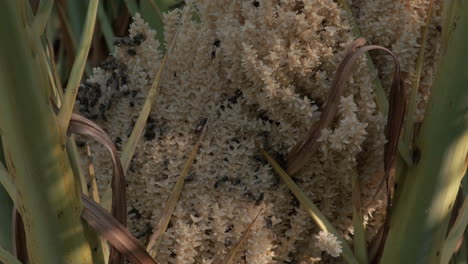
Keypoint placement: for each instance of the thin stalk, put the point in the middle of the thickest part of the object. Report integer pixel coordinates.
(93, 190)
(75, 162)
(5, 219)
(78, 66)
(319, 219)
(132, 142)
(75, 12)
(156, 9)
(152, 12)
(106, 27)
(57, 84)
(42, 16)
(7, 258)
(420, 217)
(456, 233)
(132, 6)
(229, 258)
(130, 146)
(408, 126)
(6, 204)
(36, 159)
(68, 36)
(6, 182)
(156, 238)
(92, 176)
(359, 238)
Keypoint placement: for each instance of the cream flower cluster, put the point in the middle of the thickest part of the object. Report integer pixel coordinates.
(329, 243)
(260, 69)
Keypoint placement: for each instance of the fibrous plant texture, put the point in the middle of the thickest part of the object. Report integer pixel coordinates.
(259, 70)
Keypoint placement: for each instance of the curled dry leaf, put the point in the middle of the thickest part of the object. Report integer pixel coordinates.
(82, 126)
(114, 232)
(306, 148)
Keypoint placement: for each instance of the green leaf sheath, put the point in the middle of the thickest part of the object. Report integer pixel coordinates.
(420, 217)
(36, 159)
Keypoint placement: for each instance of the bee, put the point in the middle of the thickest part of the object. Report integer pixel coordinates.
(268, 222)
(275, 181)
(131, 52)
(236, 181)
(118, 142)
(126, 41)
(229, 229)
(112, 83)
(250, 195)
(201, 124)
(139, 38)
(110, 64)
(123, 79)
(295, 202)
(189, 177)
(263, 115)
(90, 90)
(109, 103)
(219, 182)
(233, 99)
(134, 212)
(102, 111)
(146, 232)
(259, 199)
(227, 242)
(80, 143)
(130, 128)
(150, 134)
(216, 45)
(132, 167)
(91, 116)
(166, 163)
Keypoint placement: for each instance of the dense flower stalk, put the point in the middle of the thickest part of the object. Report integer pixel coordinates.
(260, 69)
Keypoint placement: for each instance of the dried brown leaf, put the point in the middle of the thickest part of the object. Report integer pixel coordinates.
(306, 148)
(82, 126)
(114, 232)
